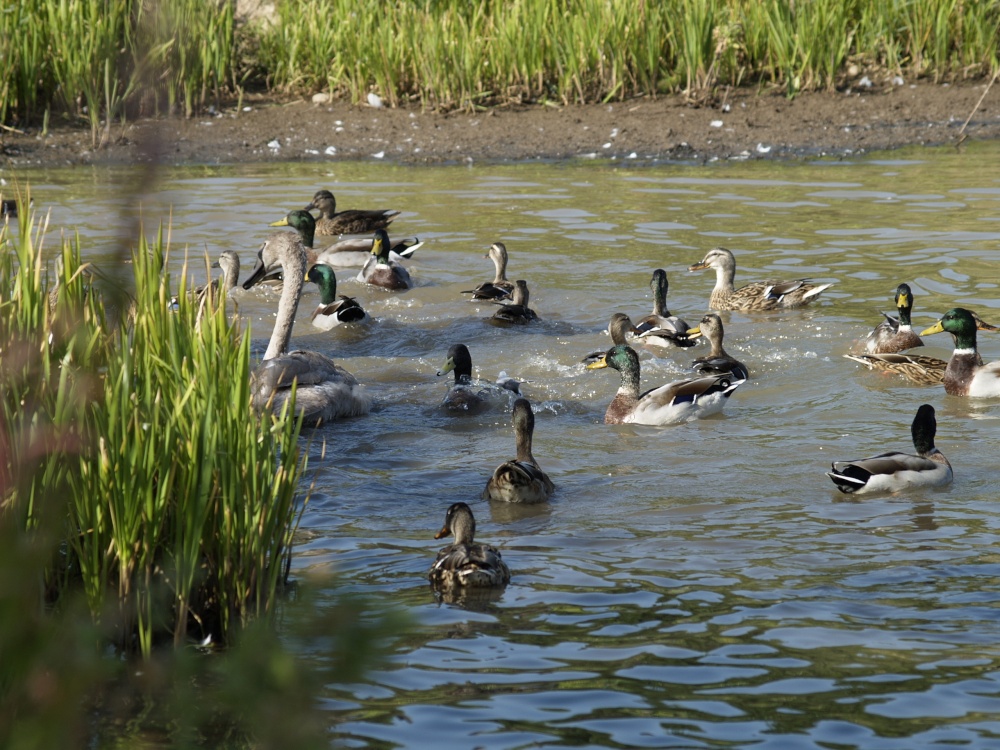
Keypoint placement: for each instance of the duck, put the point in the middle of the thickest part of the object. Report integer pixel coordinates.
(356, 221)
(380, 270)
(325, 390)
(522, 479)
(660, 328)
(965, 374)
(619, 328)
(331, 311)
(919, 369)
(349, 253)
(462, 396)
(896, 471)
(894, 335)
(500, 287)
(673, 403)
(757, 295)
(466, 563)
(517, 312)
(718, 361)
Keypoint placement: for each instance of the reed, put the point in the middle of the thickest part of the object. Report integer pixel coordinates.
(174, 497)
(101, 58)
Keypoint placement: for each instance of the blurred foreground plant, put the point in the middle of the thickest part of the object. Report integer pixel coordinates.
(143, 503)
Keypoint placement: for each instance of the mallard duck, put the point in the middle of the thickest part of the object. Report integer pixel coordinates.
(499, 288)
(357, 221)
(382, 271)
(349, 253)
(332, 312)
(661, 328)
(895, 471)
(717, 361)
(463, 395)
(895, 334)
(619, 327)
(466, 563)
(520, 480)
(965, 374)
(680, 401)
(917, 368)
(325, 390)
(517, 311)
(757, 295)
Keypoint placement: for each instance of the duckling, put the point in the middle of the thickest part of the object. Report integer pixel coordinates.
(499, 288)
(466, 563)
(894, 335)
(661, 328)
(353, 252)
(355, 221)
(380, 270)
(518, 311)
(757, 295)
(332, 312)
(673, 403)
(520, 480)
(965, 374)
(619, 327)
(462, 396)
(895, 471)
(717, 361)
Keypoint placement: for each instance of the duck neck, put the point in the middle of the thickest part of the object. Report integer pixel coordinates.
(522, 439)
(904, 318)
(629, 387)
(724, 276)
(328, 290)
(660, 298)
(500, 262)
(293, 267)
(463, 528)
(231, 274)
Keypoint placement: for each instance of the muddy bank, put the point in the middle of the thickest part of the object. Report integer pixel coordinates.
(743, 124)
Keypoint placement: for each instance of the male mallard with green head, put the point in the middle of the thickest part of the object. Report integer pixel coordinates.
(331, 311)
(895, 334)
(661, 328)
(895, 471)
(673, 403)
(965, 374)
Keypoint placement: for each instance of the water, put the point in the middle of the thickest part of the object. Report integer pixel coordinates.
(694, 586)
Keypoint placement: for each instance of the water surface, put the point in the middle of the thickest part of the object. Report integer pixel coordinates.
(693, 586)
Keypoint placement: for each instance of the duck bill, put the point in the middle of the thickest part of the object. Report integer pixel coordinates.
(904, 301)
(599, 364)
(982, 325)
(936, 328)
(443, 533)
(700, 266)
(310, 207)
(694, 333)
(376, 246)
(449, 365)
(279, 223)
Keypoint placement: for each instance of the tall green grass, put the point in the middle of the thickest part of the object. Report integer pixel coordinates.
(102, 59)
(175, 499)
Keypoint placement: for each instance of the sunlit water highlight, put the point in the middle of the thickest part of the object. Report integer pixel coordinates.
(693, 586)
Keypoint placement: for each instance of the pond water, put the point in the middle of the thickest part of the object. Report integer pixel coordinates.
(701, 585)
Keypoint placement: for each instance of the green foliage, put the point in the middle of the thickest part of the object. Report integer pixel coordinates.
(100, 58)
(177, 500)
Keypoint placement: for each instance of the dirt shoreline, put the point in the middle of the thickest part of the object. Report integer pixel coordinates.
(744, 124)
